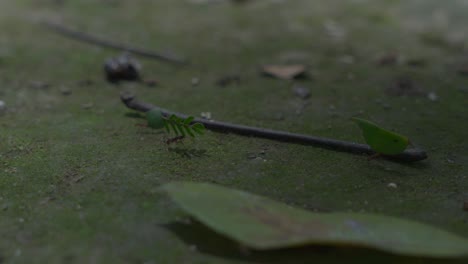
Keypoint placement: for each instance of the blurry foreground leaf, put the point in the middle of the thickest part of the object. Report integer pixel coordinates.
(264, 224)
(381, 140)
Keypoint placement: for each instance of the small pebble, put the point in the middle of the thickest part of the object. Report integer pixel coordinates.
(121, 68)
(39, 85)
(65, 90)
(251, 156)
(432, 96)
(193, 248)
(206, 115)
(347, 59)
(195, 81)
(301, 92)
(151, 82)
(85, 82)
(2, 105)
(87, 106)
(465, 206)
(388, 59)
(392, 185)
(463, 89)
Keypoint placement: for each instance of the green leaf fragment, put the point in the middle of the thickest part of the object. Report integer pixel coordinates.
(173, 126)
(381, 140)
(155, 119)
(189, 120)
(198, 128)
(166, 126)
(189, 131)
(264, 224)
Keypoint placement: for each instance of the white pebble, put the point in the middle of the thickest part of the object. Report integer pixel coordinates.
(432, 96)
(206, 115)
(2, 105)
(392, 185)
(195, 81)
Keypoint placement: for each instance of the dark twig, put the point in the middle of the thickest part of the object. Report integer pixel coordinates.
(84, 37)
(409, 155)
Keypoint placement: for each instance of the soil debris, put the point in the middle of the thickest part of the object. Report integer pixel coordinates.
(301, 92)
(284, 72)
(463, 70)
(64, 90)
(227, 80)
(151, 82)
(39, 85)
(404, 86)
(388, 59)
(85, 82)
(416, 62)
(122, 68)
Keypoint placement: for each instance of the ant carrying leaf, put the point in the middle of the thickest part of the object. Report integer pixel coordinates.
(174, 124)
(381, 140)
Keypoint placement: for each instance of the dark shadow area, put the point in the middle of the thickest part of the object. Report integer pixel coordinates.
(135, 115)
(189, 153)
(209, 242)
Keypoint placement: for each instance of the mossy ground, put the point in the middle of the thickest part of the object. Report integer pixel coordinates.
(79, 181)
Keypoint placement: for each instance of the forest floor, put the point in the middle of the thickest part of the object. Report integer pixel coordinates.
(79, 181)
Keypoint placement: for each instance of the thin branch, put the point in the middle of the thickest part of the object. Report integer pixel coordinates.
(409, 155)
(91, 39)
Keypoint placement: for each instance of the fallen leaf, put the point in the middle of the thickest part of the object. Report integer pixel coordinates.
(263, 224)
(284, 72)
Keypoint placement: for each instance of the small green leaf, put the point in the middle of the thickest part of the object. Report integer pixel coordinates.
(198, 128)
(166, 126)
(189, 120)
(155, 119)
(181, 129)
(189, 131)
(264, 224)
(381, 140)
(173, 126)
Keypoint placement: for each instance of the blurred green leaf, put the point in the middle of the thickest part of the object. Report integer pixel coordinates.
(264, 224)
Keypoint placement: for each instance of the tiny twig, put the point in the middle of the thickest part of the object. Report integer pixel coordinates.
(408, 155)
(91, 39)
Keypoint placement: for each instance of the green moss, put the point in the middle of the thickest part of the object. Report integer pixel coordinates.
(81, 185)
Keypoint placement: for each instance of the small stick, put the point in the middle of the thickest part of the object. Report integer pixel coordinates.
(91, 39)
(409, 155)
